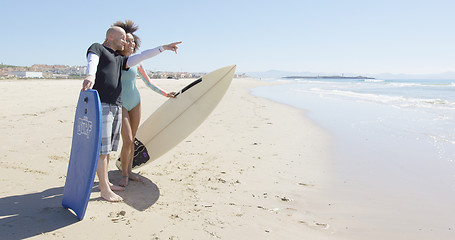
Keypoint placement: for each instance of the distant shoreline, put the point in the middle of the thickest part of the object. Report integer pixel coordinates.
(329, 77)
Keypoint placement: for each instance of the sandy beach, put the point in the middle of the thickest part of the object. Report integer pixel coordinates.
(254, 169)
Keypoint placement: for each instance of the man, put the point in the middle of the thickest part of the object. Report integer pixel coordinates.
(104, 74)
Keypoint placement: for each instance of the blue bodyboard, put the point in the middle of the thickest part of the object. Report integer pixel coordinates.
(85, 150)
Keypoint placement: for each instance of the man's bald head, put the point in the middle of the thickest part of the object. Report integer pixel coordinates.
(114, 30)
(115, 38)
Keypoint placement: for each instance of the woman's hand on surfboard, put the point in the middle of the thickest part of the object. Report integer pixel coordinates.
(171, 95)
(172, 46)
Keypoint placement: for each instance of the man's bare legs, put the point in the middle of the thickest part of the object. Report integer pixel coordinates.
(106, 188)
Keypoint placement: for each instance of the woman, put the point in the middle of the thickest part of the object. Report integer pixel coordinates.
(131, 102)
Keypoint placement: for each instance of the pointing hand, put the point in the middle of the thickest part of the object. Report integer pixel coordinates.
(172, 46)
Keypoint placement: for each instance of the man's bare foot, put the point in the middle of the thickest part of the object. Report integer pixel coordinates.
(116, 188)
(124, 181)
(135, 177)
(111, 196)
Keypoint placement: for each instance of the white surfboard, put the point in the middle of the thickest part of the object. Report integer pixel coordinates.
(178, 117)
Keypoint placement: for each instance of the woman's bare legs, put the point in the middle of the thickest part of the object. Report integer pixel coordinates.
(130, 124)
(135, 119)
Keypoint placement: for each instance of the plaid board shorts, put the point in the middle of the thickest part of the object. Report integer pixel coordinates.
(112, 124)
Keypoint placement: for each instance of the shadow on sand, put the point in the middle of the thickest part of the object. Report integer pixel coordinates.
(138, 195)
(28, 215)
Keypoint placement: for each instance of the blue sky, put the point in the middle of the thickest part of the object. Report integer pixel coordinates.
(326, 36)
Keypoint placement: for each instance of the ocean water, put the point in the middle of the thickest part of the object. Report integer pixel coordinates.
(391, 137)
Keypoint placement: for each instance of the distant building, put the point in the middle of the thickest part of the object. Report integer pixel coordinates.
(26, 74)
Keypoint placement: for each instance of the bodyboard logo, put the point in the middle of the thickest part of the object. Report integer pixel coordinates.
(84, 126)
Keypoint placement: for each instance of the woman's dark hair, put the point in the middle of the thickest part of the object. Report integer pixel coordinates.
(130, 27)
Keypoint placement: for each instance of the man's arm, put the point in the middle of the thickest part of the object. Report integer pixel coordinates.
(92, 65)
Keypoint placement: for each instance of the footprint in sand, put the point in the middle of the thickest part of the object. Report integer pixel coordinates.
(118, 216)
(316, 225)
(57, 158)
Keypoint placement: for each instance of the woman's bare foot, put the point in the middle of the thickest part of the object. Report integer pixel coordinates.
(110, 196)
(124, 181)
(116, 188)
(135, 177)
